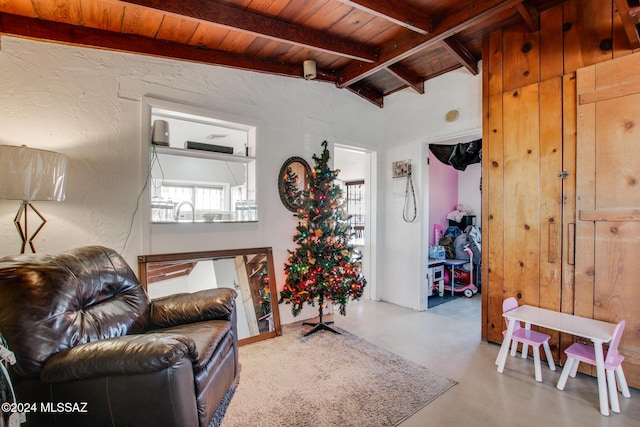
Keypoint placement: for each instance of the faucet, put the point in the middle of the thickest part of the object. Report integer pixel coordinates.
(193, 211)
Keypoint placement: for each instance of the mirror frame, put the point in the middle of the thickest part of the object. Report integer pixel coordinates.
(293, 207)
(145, 260)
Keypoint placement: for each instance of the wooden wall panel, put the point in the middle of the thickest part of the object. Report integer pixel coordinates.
(588, 33)
(551, 200)
(572, 35)
(492, 60)
(551, 192)
(493, 234)
(569, 103)
(585, 197)
(608, 174)
(521, 123)
(492, 193)
(551, 48)
(522, 53)
(484, 220)
(619, 189)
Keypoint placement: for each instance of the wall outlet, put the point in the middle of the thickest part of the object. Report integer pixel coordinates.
(401, 168)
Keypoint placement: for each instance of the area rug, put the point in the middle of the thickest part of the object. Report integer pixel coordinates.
(327, 380)
(436, 300)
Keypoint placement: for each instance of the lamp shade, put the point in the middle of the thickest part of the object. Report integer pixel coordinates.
(29, 174)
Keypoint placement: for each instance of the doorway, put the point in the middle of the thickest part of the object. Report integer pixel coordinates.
(357, 178)
(454, 201)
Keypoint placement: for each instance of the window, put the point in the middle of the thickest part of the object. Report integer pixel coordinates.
(205, 202)
(202, 167)
(355, 208)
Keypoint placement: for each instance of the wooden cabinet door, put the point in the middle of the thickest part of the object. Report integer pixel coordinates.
(607, 269)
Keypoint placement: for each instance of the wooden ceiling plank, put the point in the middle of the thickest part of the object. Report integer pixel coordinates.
(203, 37)
(141, 21)
(630, 17)
(397, 12)
(176, 29)
(101, 39)
(107, 16)
(407, 46)
(457, 49)
(530, 16)
(24, 8)
(406, 75)
(59, 10)
(263, 26)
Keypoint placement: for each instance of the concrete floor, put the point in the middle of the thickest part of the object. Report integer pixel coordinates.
(447, 338)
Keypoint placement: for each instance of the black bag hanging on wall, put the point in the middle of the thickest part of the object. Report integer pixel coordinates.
(458, 155)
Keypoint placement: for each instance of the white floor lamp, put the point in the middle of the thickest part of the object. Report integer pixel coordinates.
(28, 174)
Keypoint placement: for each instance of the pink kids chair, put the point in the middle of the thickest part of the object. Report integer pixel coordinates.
(578, 352)
(528, 338)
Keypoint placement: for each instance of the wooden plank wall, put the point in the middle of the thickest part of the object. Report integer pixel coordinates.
(607, 270)
(529, 128)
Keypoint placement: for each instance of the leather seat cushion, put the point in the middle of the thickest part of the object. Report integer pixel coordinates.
(213, 341)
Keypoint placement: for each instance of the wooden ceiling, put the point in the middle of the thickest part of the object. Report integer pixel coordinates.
(372, 48)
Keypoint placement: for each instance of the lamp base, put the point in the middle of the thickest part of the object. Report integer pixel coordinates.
(22, 225)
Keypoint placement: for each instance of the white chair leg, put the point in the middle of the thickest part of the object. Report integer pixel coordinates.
(564, 376)
(536, 363)
(613, 391)
(622, 382)
(514, 347)
(547, 352)
(574, 368)
(525, 351)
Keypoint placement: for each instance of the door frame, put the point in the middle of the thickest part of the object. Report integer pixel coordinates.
(370, 223)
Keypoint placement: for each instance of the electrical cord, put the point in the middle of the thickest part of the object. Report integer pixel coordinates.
(154, 158)
(405, 216)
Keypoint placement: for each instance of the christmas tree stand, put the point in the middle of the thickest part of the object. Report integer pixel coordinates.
(320, 326)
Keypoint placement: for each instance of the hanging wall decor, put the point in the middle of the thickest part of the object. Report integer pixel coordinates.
(458, 155)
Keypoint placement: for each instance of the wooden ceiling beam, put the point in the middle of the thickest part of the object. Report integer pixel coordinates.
(372, 96)
(234, 18)
(408, 77)
(465, 57)
(530, 16)
(630, 17)
(397, 12)
(412, 43)
(101, 39)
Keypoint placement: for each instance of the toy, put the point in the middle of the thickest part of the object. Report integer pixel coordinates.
(469, 289)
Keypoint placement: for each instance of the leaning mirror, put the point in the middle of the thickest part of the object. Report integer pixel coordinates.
(249, 271)
(293, 180)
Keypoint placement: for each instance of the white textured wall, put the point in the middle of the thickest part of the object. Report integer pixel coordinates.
(412, 121)
(87, 104)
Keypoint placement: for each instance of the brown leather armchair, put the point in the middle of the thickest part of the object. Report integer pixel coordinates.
(92, 349)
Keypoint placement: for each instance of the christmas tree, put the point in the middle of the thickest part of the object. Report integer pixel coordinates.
(324, 267)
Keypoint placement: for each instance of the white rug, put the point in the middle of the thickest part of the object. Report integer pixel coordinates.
(327, 380)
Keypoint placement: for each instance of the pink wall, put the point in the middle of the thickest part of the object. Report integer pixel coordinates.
(443, 193)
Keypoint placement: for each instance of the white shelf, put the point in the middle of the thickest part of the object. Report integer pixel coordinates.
(202, 154)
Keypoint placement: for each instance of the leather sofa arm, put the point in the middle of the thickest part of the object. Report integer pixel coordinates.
(179, 309)
(129, 354)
